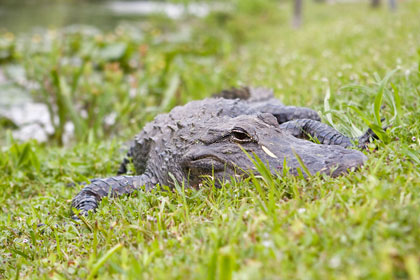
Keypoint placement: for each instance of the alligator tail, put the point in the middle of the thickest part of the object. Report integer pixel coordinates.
(127, 159)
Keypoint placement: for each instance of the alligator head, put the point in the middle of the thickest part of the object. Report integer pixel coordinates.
(219, 152)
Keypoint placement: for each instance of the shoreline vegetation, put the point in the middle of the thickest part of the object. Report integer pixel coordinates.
(351, 63)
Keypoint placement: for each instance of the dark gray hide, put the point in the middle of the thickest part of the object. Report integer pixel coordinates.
(207, 138)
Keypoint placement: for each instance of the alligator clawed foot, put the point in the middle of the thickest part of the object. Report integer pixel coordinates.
(84, 209)
(368, 136)
(76, 217)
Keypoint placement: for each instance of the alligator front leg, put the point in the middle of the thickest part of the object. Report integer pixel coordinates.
(90, 196)
(307, 128)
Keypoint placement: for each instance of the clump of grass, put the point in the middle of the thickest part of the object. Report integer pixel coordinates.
(95, 81)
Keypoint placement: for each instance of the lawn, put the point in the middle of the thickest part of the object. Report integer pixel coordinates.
(353, 64)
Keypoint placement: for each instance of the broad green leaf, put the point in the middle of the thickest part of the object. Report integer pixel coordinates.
(113, 51)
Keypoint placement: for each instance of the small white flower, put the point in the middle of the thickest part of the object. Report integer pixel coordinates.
(151, 218)
(267, 243)
(335, 262)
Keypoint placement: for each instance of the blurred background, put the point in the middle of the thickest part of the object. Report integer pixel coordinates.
(78, 79)
(22, 16)
(73, 70)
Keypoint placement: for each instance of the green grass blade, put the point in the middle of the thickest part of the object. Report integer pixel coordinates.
(376, 128)
(66, 107)
(377, 106)
(170, 92)
(362, 88)
(24, 155)
(102, 260)
(397, 104)
(302, 164)
(379, 96)
(327, 107)
(413, 155)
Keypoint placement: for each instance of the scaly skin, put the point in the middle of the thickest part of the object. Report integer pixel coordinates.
(91, 195)
(207, 138)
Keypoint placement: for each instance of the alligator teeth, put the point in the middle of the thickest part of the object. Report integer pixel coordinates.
(268, 152)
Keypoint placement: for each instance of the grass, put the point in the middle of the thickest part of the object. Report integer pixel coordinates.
(364, 225)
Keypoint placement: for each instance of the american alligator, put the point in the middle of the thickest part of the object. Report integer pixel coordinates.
(209, 137)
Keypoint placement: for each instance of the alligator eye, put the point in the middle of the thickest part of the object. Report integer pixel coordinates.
(240, 135)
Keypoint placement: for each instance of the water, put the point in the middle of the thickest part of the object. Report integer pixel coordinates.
(174, 11)
(24, 15)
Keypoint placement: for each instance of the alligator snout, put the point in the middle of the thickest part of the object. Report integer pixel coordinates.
(332, 160)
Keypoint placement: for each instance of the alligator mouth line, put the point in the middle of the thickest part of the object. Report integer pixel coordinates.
(211, 162)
